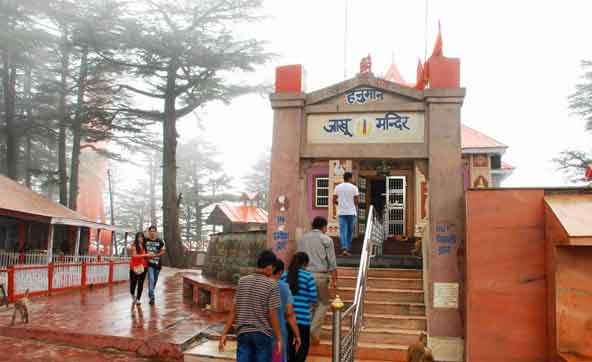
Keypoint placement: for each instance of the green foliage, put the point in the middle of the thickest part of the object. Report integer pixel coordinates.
(573, 164)
(580, 102)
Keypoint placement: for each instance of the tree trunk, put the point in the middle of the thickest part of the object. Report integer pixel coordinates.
(153, 175)
(77, 130)
(64, 120)
(169, 173)
(112, 211)
(12, 142)
(29, 115)
(188, 224)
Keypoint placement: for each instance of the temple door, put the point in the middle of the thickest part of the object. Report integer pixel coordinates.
(394, 210)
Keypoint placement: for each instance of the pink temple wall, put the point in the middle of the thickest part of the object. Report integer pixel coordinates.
(313, 212)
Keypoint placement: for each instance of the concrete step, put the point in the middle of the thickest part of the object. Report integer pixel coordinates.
(386, 321)
(400, 337)
(383, 282)
(393, 308)
(365, 352)
(384, 295)
(208, 352)
(383, 273)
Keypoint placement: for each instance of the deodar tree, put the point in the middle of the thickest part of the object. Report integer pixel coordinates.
(574, 162)
(180, 53)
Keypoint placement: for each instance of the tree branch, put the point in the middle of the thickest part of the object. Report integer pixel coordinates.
(139, 91)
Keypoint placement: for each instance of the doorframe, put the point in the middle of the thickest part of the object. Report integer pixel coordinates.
(410, 195)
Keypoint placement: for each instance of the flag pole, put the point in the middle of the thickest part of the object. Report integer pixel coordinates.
(345, 44)
(425, 32)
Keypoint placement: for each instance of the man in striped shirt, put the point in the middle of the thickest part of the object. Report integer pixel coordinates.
(254, 314)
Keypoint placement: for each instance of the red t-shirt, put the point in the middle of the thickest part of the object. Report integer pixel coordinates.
(135, 260)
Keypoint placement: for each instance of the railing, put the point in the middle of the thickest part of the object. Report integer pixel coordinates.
(345, 340)
(40, 258)
(47, 278)
(29, 258)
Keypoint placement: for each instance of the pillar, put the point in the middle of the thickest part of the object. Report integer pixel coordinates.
(77, 245)
(123, 253)
(288, 105)
(50, 244)
(445, 234)
(98, 242)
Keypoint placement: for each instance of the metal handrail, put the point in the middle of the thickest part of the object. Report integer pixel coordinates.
(344, 347)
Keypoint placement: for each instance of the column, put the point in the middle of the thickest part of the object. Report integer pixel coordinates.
(445, 234)
(50, 244)
(77, 245)
(98, 241)
(285, 193)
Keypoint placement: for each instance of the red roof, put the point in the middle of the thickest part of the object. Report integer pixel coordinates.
(471, 138)
(243, 214)
(16, 197)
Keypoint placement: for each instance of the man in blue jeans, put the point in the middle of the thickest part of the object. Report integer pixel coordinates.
(155, 247)
(254, 314)
(346, 197)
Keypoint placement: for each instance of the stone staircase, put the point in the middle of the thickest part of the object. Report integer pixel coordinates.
(394, 313)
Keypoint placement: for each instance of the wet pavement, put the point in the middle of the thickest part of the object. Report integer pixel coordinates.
(104, 318)
(27, 350)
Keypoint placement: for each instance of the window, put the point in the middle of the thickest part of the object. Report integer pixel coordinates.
(321, 192)
(496, 162)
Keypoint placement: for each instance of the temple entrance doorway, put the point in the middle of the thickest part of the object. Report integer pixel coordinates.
(389, 186)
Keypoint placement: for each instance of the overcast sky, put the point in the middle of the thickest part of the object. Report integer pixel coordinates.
(519, 62)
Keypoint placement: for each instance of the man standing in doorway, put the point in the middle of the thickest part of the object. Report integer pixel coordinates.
(155, 247)
(346, 197)
(323, 264)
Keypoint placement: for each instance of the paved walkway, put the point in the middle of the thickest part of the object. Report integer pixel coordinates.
(104, 318)
(27, 350)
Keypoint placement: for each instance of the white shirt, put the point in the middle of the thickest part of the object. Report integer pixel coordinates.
(346, 192)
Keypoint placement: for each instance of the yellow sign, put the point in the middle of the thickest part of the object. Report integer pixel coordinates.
(383, 127)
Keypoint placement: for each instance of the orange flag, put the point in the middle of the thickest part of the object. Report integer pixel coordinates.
(588, 172)
(438, 47)
(420, 83)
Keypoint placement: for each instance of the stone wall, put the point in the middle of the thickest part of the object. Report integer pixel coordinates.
(232, 255)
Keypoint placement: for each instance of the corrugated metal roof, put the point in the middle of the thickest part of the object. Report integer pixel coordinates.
(471, 138)
(18, 198)
(243, 214)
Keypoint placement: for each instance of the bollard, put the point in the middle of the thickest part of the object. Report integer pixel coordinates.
(337, 305)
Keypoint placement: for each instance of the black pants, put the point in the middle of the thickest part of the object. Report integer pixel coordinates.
(302, 353)
(137, 280)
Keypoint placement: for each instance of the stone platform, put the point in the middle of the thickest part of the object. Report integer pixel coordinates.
(104, 319)
(207, 293)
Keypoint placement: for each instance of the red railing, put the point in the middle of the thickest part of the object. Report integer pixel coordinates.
(55, 277)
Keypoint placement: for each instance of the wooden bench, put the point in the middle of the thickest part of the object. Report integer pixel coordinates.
(207, 292)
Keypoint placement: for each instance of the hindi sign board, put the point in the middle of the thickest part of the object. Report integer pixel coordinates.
(383, 127)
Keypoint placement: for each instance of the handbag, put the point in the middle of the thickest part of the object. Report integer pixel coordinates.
(138, 269)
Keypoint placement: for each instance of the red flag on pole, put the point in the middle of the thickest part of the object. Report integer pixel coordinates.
(439, 46)
(420, 83)
(588, 172)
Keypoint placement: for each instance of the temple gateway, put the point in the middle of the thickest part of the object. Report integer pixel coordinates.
(411, 158)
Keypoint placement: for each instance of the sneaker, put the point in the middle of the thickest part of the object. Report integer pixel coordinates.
(133, 299)
(151, 301)
(138, 302)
